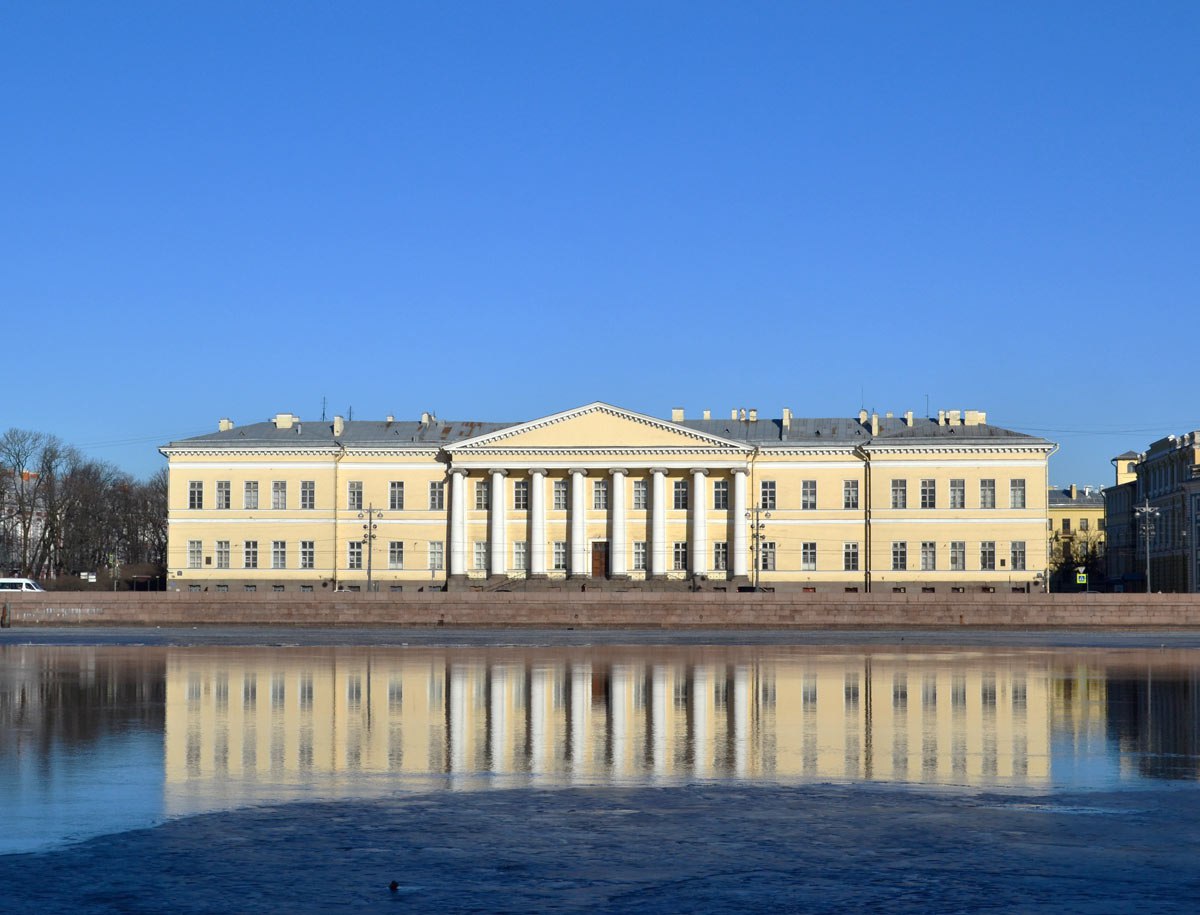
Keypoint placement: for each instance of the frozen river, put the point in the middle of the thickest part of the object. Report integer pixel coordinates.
(267, 770)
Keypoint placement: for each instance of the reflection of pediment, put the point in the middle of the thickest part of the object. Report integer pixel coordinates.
(596, 425)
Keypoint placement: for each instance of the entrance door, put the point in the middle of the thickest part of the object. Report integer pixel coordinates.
(600, 559)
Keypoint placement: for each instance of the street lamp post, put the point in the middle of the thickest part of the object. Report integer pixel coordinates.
(757, 517)
(368, 537)
(1148, 514)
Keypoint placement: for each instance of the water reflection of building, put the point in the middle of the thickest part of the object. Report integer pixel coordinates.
(578, 717)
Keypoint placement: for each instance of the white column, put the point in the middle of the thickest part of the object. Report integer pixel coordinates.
(496, 524)
(739, 523)
(458, 522)
(741, 719)
(579, 556)
(658, 524)
(581, 720)
(537, 522)
(699, 503)
(617, 548)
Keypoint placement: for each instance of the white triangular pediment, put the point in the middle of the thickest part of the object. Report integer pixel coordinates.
(597, 425)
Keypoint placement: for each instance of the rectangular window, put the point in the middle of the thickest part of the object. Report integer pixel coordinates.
(437, 496)
(808, 557)
(1018, 555)
(720, 556)
(278, 494)
(481, 555)
(395, 554)
(560, 495)
(354, 553)
(599, 494)
(899, 555)
(958, 555)
(679, 555)
(1066, 525)
(224, 501)
(808, 495)
(483, 493)
(560, 555)
(987, 555)
(308, 554)
(639, 555)
(520, 555)
(766, 494)
(354, 495)
(720, 495)
(278, 554)
(250, 494)
(850, 494)
(987, 493)
(396, 496)
(195, 554)
(223, 554)
(850, 557)
(250, 554)
(1016, 493)
(928, 556)
(899, 493)
(308, 494)
(681, 495)
(958, 493)
(639, 494)
(195, 494)
(766, 556)
(521, 495)
(928, 494)
(437, 555)
(1083, 524)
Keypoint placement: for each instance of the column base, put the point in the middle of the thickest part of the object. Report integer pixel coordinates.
(456, 582)
(619, 578)
(537, 576)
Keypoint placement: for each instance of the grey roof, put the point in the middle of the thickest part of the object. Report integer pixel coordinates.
(1094, 498)
(802, 430)
(361, 433)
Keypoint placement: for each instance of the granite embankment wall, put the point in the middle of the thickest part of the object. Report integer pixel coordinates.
(612, 610)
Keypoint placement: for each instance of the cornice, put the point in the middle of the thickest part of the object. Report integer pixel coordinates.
(964, 448)
(546, 451)
(329, 452)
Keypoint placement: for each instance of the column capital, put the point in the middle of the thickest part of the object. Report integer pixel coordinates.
(461, 471)
(695, 470)
(537, 471)
(499, 471)
(618, 470)
(582, 471)
(740, 470)
(659, 471)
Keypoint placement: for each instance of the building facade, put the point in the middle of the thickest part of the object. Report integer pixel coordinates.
(1077, 538)
(1154, 509)
(603, 494)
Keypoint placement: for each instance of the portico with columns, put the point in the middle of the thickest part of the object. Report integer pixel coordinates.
(598, 493)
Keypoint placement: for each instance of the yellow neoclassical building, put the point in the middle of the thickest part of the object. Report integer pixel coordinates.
(601, 495)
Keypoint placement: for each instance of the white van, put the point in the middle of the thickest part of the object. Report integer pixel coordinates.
(19, 584)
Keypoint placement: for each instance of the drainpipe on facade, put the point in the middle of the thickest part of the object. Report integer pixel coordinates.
(866, 554)
(337, 460)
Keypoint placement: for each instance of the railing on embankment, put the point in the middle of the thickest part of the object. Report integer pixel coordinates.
(615, 610)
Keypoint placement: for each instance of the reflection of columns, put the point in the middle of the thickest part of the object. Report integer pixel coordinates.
(581, 718)
(620, 695)
(741, 718)
(498, 723)
(541, 699)
(699, 504)
(739, 523)
(702, 736)
(617, 548)
(459, 717)
(497, 527)
(578, 524)
(458, 522)
(660, 723)
(658, 524)
(537, 522)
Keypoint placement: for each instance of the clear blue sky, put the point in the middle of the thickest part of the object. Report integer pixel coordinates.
(500, 210)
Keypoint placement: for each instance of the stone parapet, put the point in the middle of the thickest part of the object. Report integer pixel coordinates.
(591, 609)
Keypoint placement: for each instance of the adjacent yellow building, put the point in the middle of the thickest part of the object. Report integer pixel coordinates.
(601, 494)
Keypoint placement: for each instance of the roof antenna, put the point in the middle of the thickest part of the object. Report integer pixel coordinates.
(322, 409)
(927, 406)
(350, 413)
